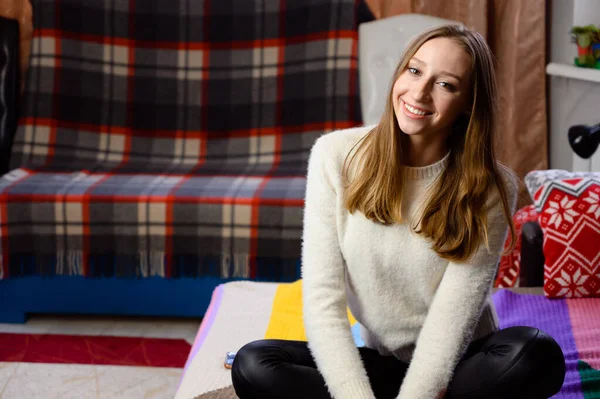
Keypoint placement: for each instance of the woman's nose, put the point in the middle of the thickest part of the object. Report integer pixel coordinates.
(422, 91)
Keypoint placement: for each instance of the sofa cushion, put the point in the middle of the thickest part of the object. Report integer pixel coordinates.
(238, 81)
(569, 215)
(141, 225)
(535, 179)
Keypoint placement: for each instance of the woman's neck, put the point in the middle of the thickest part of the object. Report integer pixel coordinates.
(418, 151)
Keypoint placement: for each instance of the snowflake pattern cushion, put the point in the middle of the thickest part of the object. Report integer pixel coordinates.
(535, 179)
(569, 215)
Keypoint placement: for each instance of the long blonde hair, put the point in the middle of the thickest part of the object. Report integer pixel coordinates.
(455, 216)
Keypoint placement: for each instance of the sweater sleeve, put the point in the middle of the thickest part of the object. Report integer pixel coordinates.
(324, 298)
(455, 309)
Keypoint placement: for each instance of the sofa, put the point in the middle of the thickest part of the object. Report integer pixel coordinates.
(159, 149)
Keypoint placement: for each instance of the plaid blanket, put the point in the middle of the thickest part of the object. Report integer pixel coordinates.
(171, 138)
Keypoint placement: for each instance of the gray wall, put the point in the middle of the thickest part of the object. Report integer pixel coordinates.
(572, 101)
(561, 48)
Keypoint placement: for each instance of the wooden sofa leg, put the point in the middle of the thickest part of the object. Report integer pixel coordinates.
(13, 316)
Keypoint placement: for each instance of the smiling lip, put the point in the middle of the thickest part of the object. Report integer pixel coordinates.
(412, 115)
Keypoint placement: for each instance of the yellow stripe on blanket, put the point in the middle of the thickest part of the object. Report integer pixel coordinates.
(286, 316)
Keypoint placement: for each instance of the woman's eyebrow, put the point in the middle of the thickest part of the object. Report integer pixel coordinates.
(418, 61)
(451, 75)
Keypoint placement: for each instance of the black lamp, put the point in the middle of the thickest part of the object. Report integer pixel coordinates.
(584, 139)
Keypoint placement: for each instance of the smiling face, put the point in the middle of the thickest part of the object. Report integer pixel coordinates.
(434, 89)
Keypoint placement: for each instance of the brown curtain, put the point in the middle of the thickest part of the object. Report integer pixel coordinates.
(21, 11)
(516, 33)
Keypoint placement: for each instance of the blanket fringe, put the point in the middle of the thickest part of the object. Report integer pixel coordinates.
(151, 263)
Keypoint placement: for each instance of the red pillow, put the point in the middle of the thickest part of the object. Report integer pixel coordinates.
(570, 219)
(510, 264)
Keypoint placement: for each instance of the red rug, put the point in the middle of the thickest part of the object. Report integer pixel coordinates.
(100, 350)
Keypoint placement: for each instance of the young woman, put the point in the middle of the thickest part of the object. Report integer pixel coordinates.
(404, 224)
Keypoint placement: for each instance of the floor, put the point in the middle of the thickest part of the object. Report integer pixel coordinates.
(47, 380)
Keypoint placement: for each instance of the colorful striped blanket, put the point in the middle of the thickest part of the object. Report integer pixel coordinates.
(241, 312)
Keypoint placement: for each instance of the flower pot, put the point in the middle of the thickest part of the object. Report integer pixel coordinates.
(585, 57)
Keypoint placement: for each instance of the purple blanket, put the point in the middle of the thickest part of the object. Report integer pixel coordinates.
(574, 323)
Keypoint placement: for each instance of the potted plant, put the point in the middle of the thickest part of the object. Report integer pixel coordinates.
(587, 39)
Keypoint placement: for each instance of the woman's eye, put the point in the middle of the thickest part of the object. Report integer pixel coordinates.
(446, 85)
(414, 71)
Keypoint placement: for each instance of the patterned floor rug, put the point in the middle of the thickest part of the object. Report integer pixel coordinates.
(88, 357)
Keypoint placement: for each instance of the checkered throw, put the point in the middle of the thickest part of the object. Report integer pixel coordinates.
(170, 138)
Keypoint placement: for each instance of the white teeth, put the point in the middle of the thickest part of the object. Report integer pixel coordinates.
(414, 110)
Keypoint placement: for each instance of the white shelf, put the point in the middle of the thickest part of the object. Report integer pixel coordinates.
(573, 72)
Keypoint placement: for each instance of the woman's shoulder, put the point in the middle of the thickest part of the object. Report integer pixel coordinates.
(509, 178)
(331, 150)
(510, 181)
(338, 143)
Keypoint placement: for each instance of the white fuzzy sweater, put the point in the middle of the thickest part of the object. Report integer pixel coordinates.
(412, 304)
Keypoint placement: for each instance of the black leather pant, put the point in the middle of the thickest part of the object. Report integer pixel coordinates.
(514, 363)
